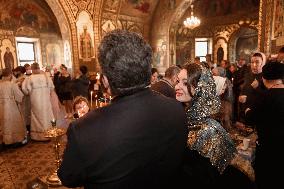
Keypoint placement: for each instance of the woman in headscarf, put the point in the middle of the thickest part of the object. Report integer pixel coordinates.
(225, 92)
(210, 148)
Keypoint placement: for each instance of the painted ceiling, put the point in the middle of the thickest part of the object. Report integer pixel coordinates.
(208, 10)
(138, 8)
(220, 12)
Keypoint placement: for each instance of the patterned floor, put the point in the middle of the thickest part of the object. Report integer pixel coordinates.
(19, 167)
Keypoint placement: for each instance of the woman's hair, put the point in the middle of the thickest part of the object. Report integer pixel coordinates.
(63, 66)
(193, 75)
(125, 59)
(78, 100)
(154, 70)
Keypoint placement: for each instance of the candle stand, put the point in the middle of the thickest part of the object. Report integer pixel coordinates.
(54, 134)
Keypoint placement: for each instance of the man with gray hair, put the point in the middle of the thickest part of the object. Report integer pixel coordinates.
(166, 85)
(132, 142)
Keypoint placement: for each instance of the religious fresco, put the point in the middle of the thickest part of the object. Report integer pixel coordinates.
(53, 55)
(141, 5)
(67, 54)
(209, 8)
(278, 18)
(85, 36)
(183, 52)
(8, 55)
(111, 5)
(31, 13)
(108, 26)
(245, 47)
(159, 55)
(220, 50)
(138, 7)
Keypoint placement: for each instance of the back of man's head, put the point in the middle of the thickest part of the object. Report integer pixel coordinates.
(125, 59)
(35, 66)
(172, 71)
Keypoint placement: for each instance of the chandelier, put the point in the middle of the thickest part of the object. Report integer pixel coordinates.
(192, 21)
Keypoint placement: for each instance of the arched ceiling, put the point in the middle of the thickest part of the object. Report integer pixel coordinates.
(209, 11)
(222, 12)
(138, 8)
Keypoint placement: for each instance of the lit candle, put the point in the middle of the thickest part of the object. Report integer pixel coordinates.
(96, 97)
(53, 122)
(91, 99)
(98, 76)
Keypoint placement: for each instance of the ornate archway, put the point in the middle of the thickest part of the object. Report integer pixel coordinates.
(66, 12)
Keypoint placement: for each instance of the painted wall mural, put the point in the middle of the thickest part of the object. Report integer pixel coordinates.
(209, 8)
(31, 13)
(67, 54)
(85, 36)
(278, 18)
(111, 5)
(8, 55)
(245, 47)
(108, 26)
(160, 55)
(141, 5)
(183, 52)
(138, 8)
(53, 54)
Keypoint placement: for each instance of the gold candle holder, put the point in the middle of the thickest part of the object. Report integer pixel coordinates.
(54, 134)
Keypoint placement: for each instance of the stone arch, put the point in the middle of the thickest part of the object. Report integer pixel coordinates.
(64, 28)
(166, 24)
(66, 13)
(232, 43)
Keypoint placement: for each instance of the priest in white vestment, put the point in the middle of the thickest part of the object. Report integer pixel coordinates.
(39, 86)
(11, 121)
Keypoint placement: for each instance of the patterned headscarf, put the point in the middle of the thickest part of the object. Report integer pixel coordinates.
(205, 102)
(206, 135)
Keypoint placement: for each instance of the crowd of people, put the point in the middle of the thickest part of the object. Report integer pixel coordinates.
(158, 132)
(30, 98)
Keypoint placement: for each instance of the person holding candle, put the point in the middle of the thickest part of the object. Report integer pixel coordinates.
(125, 144)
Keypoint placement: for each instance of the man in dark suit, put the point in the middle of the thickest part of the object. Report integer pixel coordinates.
(166, 85)
(135, 142)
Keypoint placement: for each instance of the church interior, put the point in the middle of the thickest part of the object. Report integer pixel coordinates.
(68, 32)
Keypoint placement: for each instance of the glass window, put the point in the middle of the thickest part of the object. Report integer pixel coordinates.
(202, 47)
(26, 52)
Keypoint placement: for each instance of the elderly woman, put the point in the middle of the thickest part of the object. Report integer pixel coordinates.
(210, 148)
(268, 116)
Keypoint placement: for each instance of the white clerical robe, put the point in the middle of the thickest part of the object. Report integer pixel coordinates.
(11, 120)
(39, 86)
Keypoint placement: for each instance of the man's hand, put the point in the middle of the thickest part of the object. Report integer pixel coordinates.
(254, 84)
